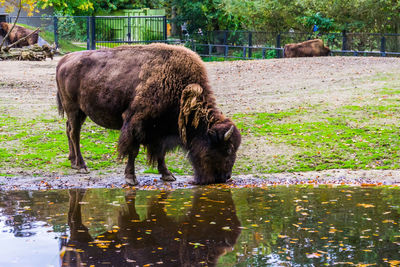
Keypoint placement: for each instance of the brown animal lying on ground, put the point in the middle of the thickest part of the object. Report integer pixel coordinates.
(158, 95)
(311, 48)
(17, 33)
(195, 239)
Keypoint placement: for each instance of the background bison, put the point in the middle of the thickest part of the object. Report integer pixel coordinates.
(157, 95)
(17, 33)
(311, 48)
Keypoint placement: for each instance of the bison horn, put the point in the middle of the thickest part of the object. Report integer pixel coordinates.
(228, 134)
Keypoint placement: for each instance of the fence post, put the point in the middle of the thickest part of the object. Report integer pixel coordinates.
(93, 33)
(225, 37)
(87, 33)
(278, 45)
(383, 46)
(55, 20)
(250, 44)
(344, 40)
(129, 29)
(165, 29)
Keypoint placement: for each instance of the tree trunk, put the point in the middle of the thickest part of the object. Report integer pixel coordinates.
(174, 26)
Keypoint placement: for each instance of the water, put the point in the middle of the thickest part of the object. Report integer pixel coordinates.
(289, 226)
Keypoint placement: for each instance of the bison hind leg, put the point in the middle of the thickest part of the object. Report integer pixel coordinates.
(130, 177)
(74, 125)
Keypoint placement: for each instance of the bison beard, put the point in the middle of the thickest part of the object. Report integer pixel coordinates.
(158, 96)
(17, 33)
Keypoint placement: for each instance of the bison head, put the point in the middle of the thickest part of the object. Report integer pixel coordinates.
(214, 154)
(3, 29)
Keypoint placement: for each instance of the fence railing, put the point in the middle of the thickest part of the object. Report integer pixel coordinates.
(81, 32)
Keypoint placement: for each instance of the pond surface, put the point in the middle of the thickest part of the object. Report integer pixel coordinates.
(289, 226)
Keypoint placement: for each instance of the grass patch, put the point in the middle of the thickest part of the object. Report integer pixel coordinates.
(41, 145)
(351, 137)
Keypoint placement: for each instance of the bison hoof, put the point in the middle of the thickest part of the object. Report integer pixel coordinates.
(130, 179)
(168, 178)
(83, 170)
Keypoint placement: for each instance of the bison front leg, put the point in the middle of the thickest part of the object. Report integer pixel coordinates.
(130, 177)
(74, 125)
(166, 175)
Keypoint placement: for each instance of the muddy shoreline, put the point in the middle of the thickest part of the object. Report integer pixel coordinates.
(337, 177)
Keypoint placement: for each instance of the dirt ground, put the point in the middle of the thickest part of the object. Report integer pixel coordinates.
(28, 89)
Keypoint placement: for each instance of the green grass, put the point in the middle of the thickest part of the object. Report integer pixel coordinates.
(352, 137)
(41, 145)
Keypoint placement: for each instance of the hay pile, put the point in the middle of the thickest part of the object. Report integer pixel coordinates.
(31, 53)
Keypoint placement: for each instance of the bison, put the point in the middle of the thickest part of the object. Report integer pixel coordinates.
(311, 48)
(17, 33)
(157, 95)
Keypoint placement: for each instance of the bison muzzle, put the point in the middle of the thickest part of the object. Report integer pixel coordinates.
(158, 96)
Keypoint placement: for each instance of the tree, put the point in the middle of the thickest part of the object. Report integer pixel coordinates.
(208, 15)
(89, 7)
(265, 15)
(26, 5)
(63, 7)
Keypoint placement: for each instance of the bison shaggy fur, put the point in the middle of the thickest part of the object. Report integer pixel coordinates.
(158, 96)
(310, 48)
(17, 33)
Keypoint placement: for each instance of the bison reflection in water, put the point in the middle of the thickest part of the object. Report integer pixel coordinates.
(157, 95)
(209, 229)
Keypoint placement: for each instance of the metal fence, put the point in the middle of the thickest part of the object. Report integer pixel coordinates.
(80, 33)
(114, 31)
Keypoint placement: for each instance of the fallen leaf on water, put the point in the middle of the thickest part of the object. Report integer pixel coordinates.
(314, 255)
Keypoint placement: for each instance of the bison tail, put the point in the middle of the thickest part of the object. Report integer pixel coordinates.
(124, 142)
(59, 105)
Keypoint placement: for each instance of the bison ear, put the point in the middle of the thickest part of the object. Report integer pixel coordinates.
(219, 135)
(213, 135)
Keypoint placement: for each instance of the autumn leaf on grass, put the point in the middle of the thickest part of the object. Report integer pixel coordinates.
(365, 205)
